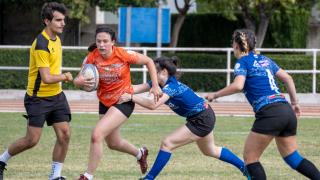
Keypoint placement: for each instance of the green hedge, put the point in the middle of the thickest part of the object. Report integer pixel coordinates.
(197, 81)
(286, 30)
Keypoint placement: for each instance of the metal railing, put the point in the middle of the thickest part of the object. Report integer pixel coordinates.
(228, 70)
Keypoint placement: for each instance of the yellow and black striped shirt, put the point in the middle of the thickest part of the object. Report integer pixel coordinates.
(44, 52)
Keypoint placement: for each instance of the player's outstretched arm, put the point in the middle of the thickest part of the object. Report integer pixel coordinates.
(235, 87)
(155, 89)
(146, 102)
(140, 88)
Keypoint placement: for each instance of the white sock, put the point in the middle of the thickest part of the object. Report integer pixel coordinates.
(89, 176)
(5, 156)
(55, 170)
(139, 155)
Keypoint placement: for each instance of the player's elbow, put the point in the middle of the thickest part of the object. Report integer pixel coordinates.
(46, 80)
(152, 107)
(287, 79)
(237, 87)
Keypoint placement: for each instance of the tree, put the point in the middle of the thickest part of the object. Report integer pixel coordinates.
(180, 20)
(256, 14)
(77, 8)
(29, 10)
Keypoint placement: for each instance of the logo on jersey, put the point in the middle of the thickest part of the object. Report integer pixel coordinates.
(264, 63)
(113, 67)
(237, 66)
(256, 64)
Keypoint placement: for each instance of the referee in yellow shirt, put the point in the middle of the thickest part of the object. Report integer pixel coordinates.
(45, 100)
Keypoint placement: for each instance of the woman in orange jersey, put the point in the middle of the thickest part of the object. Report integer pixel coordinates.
(113, 64)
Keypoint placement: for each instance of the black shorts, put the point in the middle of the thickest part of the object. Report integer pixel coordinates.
(202, 123)
(53, 109)
(126, 108)
(277, 119)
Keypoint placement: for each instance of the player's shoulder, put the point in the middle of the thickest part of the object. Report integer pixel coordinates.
(41, 42)
(93, 54)
(123, 52)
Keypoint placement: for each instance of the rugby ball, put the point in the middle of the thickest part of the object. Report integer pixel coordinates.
(90, 71)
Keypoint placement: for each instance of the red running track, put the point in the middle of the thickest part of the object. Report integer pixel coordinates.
(220, 108)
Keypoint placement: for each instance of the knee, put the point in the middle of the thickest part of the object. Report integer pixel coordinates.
(212, 151)
(64, 136)
(167, 145)
(113, 145)
(96, 137)
(31, 141)
(250, 155)
(248, 159)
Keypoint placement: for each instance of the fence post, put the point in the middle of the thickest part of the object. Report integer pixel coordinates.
(228, 66)
(314, 72)
(144, 72)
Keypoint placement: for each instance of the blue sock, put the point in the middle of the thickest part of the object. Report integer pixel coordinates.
(293, 159)
(227, 156)
(161, 160)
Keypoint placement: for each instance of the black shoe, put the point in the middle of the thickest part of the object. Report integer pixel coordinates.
(58, 178)
(2, 167)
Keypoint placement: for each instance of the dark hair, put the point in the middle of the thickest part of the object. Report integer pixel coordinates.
(106, 30)
(92, 47)
(245, 38)
(49, 8)
(170, 64)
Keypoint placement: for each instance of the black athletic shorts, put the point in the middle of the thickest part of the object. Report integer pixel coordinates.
(202, 124)
(277, 119)
(126, 108)
(53, 109)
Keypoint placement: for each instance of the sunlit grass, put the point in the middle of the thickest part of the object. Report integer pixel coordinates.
(187, 163)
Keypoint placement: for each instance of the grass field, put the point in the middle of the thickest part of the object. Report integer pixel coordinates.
(187, 163)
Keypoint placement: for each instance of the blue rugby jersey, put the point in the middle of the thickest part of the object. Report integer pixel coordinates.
(183, 100)
(260, 86)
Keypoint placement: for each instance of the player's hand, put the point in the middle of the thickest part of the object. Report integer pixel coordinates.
(296, 108)
(124, 98)
(78, 81)
(210, 97)
(68, 76)
(89, 82)
(157, 93)
(81, 82)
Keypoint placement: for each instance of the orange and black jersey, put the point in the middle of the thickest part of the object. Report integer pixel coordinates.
(44, 52)
(114, 73)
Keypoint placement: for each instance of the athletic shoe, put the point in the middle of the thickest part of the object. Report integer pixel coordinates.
(143, 160)
(82, 177)
(2, 168)
(60, 178)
